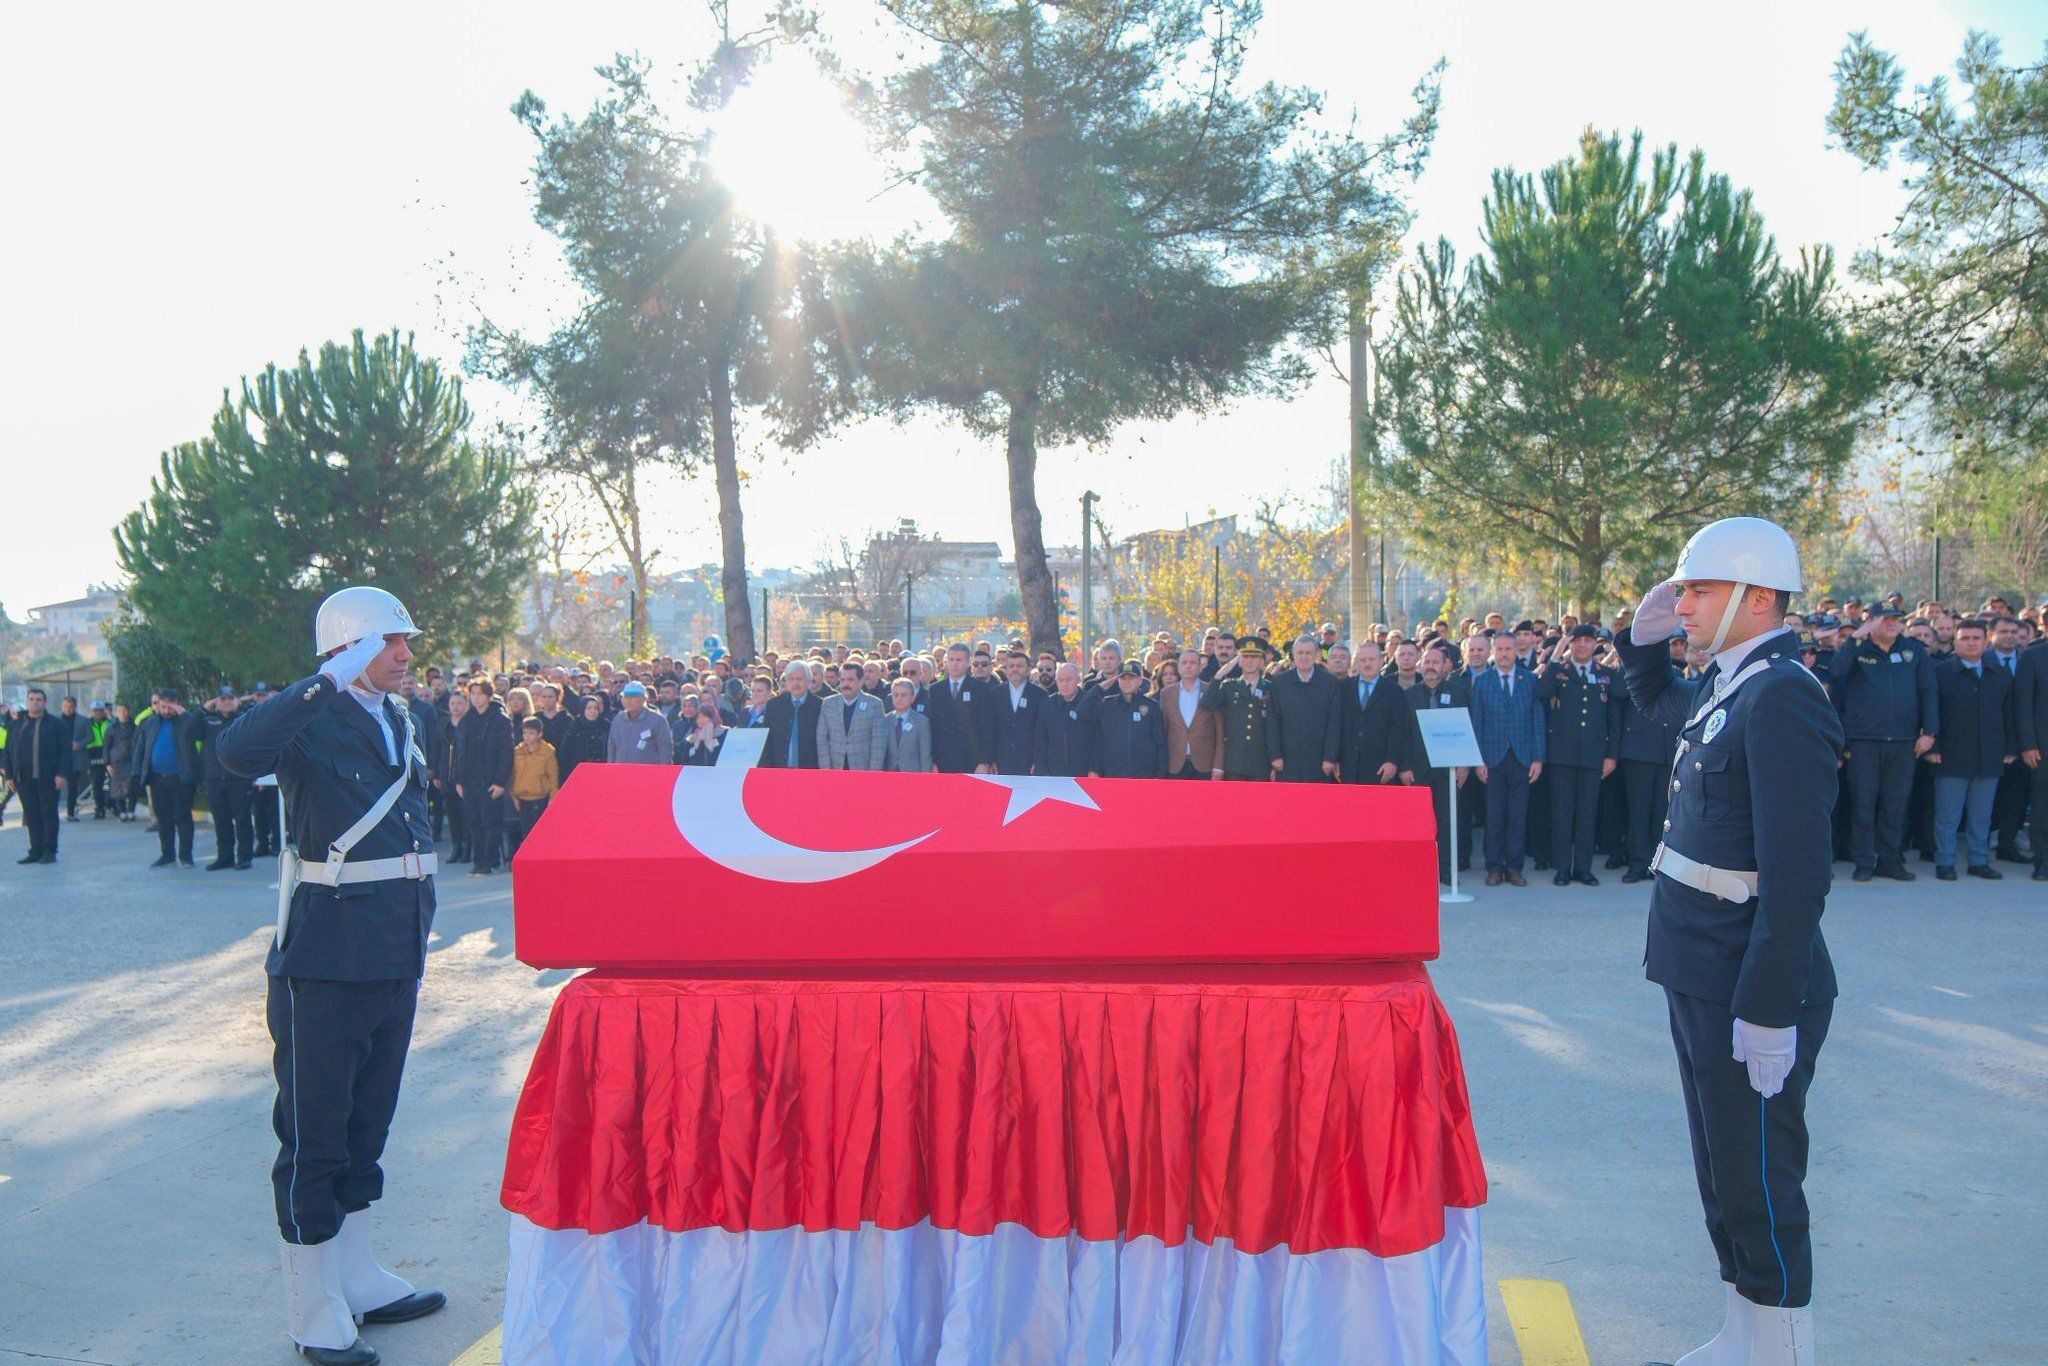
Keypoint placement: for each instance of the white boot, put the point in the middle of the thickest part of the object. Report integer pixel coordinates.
(364, 1284)
(315, 1313)
(1780, 1337)
(1730, 1346)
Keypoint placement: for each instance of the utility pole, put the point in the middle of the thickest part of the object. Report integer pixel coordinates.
(1360, 607)
(909, 578)
(1088, 502)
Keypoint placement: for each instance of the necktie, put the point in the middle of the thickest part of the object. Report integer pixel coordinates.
(397, 737)
(796, 709)
(1364, 693)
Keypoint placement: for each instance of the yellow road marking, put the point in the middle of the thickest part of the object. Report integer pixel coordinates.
(485, 1351)
(1546, 1329)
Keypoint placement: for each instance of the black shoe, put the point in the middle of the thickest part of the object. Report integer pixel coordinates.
(1635, 875)
(357, 1353)
(1542, 866)
(219, 865)
(1616, 862)
(1943, 874)
(1927, 856)
(164, 862)
(1862, 875)
(417, 1305)
(242, 867)
(2041, 872)
(186, 863)
(2010, 853)
(47, 858)
(1898, 873)
(1586, 879)
(99, 815)
(1561, 880)
(71, 819)
(1985, 870)
(34, 856)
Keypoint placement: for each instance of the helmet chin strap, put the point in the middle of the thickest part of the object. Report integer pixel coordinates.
(1727, 618)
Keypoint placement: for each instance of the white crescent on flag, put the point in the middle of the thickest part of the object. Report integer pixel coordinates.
(711, 814)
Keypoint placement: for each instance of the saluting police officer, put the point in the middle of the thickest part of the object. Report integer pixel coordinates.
(1240, 693)
(356, 899)
(1742, 876)
(1885, 683)
(1584, 728)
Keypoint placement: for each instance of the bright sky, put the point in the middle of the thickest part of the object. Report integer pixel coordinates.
(196, 191)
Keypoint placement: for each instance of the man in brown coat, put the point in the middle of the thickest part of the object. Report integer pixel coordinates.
(1194, 734)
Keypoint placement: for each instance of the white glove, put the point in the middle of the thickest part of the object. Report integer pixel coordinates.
(347, 666)
(1769, 1053)
(1656, 618)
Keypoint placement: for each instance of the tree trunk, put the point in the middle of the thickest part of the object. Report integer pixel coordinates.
(1588, 580)
(1034, 575)
(732, 536)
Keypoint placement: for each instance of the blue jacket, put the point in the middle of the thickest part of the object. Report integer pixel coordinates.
(331, 763)
(1758, 794)
(1884, 694)
(1505, 723)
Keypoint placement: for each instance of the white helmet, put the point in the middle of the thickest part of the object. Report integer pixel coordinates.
(1749, 552)
(1746, 550)
(357, 613)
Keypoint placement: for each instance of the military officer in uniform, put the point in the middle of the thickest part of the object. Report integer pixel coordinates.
(356, 900)
(1584, 713)
(1240, 693)
(1734, 939)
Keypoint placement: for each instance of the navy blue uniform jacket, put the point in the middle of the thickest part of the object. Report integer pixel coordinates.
(1884, 694)
(330, 761)
(1759, 795)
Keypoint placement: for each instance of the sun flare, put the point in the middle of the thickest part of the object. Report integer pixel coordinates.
(796, 159)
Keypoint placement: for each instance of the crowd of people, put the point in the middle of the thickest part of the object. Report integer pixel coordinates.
(1944, 715)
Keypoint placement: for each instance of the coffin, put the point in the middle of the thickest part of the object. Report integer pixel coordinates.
(644, 866)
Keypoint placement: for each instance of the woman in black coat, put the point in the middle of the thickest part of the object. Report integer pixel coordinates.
(584, 743)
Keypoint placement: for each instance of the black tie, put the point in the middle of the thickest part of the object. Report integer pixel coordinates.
(397, 726)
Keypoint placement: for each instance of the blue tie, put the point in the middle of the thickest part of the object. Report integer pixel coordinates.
(796, 709)
(1364, 693)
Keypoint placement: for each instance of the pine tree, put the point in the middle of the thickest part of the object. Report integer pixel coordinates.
(349, 467)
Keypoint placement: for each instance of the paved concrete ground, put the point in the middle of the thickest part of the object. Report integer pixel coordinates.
(135, 1218)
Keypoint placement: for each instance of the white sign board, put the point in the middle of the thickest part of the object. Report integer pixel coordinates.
(1447, 737)
(742, 748)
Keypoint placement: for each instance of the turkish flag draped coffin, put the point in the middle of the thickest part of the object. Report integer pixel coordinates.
(643, 866)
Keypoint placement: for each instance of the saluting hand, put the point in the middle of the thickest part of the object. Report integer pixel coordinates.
(347, 666)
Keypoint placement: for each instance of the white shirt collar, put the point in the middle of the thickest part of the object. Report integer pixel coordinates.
(1732, 657)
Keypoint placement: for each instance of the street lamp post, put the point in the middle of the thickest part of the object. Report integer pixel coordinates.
(1088, 502)
(909, 638)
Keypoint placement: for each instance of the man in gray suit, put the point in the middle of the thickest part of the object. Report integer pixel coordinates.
(850, 726)
(907, 733)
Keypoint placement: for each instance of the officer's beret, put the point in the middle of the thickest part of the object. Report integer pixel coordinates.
(1525, 626)
(1130, 669)
(1584, 632)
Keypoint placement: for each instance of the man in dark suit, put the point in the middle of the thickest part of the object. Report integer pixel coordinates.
(792, 722)
(1064, 746)
(39, 767)
(2009, 806)
(1304, 718)
(1512, 746)
(1734, 939)
(2030, 726)
(956, 730)
(1376, 736)
(1130, 732)
(1583, 723)
(1974, 741)
(1008, 714)
(1437, 687)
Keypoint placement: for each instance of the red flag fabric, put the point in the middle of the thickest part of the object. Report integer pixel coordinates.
(643, 867)
(1309, 1108)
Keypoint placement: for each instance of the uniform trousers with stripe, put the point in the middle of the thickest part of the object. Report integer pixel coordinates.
(1749, 1153)
(338, 1049)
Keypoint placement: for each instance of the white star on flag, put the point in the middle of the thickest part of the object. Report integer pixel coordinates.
(1026, 793)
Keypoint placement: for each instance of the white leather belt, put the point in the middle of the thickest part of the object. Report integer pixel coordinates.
(409, 866)
(1727, 883)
